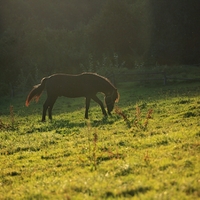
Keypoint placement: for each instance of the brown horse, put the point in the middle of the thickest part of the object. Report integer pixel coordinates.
(83, 85)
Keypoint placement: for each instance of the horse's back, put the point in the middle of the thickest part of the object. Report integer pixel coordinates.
(73, 85)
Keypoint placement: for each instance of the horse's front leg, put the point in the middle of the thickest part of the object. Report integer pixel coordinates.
(51, 104)
(97, 100)
(87, 105)
(45, 106)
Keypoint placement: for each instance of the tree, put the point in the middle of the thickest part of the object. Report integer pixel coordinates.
(175, 32)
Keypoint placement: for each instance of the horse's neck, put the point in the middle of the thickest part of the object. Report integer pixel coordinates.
(108, 89)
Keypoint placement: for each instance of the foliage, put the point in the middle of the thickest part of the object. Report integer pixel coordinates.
(73, 158)
(59, 36)
(175, 32)
(106, 66)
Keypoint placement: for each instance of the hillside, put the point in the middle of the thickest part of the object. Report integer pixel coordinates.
(148, 149)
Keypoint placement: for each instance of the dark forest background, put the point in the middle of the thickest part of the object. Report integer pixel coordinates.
(39, 37)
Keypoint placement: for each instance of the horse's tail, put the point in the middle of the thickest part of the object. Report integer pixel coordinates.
(36, 92)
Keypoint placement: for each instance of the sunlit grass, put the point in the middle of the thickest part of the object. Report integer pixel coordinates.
(74, 158)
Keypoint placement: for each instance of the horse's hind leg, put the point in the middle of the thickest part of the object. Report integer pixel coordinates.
(51, 104)
(87, 105)
(45, 106)
(97, 100)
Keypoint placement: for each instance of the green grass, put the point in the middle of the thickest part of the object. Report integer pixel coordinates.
(114, 158)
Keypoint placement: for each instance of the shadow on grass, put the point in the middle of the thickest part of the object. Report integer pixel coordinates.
(127, 193)
(133, 192)
(63, 123)
(66, 123)
(67, 126)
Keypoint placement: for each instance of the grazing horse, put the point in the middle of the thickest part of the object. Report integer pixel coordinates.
(83, 85)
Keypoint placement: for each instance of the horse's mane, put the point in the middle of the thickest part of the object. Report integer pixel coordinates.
(100, 76)
(107, 80)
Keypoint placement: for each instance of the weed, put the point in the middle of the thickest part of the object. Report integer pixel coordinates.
(137, 121)
(12, 118)
(93, 157)
(5, 126)
(121, 114)
(147, 158)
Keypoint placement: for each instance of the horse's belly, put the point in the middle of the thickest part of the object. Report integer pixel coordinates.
(73, 93)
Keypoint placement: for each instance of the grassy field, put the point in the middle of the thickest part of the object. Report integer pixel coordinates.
(148, 149)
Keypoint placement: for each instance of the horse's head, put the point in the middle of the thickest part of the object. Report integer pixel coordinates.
(110, 100)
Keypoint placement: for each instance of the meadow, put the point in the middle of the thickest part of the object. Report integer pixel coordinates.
(148, 149)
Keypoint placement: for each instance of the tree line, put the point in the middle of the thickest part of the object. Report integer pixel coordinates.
(38, 38)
